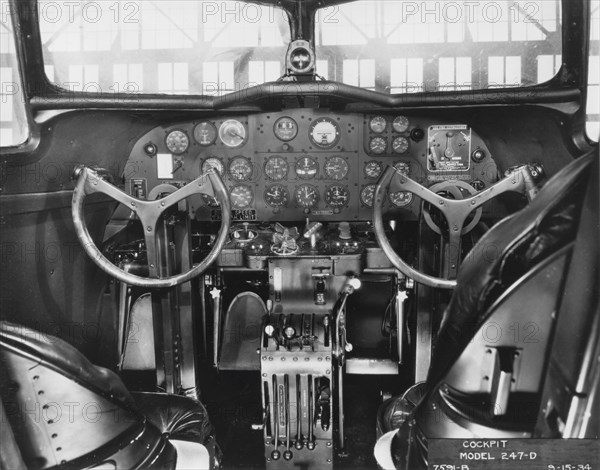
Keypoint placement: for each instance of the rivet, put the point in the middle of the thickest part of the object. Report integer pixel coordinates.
(282, 358)
(149, 229)
(328, 371)
(295, 358)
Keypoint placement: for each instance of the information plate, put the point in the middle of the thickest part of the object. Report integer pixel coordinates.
(522, 454)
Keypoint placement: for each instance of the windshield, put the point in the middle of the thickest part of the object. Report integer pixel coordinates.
(175, 47)
(216, 47)
(398, 46)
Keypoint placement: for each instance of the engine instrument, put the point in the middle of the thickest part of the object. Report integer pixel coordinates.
(400, 123)
(240, 169)
(378, 124)
(337, 196)
(378, 145)
(205, 133)
(373, 169)
(213, 163)
(276, 195)
(367, 194)
(400, 145)
(177, 142)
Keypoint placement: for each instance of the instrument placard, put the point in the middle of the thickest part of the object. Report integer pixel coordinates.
(510, 454)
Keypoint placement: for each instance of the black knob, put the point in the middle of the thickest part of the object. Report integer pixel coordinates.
(310, 445)
(417, 134)
(478, 155)
(299, 445)
(287, 455)
(275, 455)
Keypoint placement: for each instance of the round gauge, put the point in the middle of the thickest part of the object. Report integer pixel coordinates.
(377, 145)
(212, 163)
(240, 169)
(324, 133)
(373, 169)
(205, 133)
(232, 133)
(276, 168)
(402, 167)
(400, 145)
(367, 195)
(285, 129)
(400, 123)
(401, 198)
(336, 168)
(306, 168)
(177, 142)
(241, 196)
(378, 124)
(307, 196)
(276, 195)
(337, 196)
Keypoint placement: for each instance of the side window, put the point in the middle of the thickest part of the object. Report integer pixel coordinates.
(14, 128)
(593, 95)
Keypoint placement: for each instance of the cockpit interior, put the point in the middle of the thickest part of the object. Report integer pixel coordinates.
(296, 233)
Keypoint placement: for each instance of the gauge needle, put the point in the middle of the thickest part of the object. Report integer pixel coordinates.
(235, 133)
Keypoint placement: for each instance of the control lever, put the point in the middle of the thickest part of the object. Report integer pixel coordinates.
(299, 444)
(216, 295)
(276, 454)
(271, 332)
(323, 404)
(311, 232)
(287, 455)
(310, 445)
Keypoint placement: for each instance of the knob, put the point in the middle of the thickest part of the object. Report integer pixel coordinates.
(287, 455)
(270, 330)
(289, 332)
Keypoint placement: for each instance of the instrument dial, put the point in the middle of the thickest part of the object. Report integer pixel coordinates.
(177, 142)
(306, 168)
(401, 198)
(205, 133)
(240, 169)
(336, 168)
(373, 169)
(276, 168)
(307, 196)
(277, 195)
(367, 195)
(402, 167)
(232, 133)
(378, 145)
(213, 163)
(400, 145)
(400, 123)
(285, 129)
(241, 196)
(378, 124)
(337, 196)
(324, 133)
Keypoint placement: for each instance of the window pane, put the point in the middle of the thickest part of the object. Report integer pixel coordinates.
(14, 128)
(593, 92)
(463, 44)
(175, 40)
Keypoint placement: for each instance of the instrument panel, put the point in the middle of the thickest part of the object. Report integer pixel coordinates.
(299, 163)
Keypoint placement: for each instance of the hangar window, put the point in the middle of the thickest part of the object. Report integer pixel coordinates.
(593, 92)
(14, 127)
(453, 45)
(214, 46)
